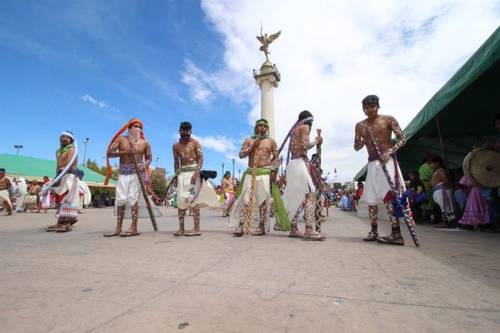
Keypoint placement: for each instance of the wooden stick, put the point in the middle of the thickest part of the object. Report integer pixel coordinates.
(144, 193)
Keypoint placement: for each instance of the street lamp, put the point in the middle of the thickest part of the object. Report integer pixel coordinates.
(156, 161)
(86, 142)
(233, 166)
(222, 169)
(239, 175)
(18, 147)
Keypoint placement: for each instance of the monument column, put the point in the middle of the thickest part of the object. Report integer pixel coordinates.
(267, 78)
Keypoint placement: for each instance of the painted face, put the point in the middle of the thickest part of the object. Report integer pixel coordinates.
(65, 140)
(261, 129)
(185, 133)
(370, 110)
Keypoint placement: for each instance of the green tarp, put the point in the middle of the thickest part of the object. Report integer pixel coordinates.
(37, 168)
(464, 108)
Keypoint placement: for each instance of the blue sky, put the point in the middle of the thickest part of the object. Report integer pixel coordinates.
(89, 66)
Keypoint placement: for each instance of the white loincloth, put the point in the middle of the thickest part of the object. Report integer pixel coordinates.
(376, 185)
(5, 198)
(262, 194)
(71, 201)
(87, 195)
(298, 184)
(185, 190)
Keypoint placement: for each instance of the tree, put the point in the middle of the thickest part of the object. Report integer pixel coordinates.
(158, 181)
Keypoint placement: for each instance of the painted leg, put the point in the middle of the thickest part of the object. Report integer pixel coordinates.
(132, 230)
(309, 207)
(395, 238)
(373, 214)
(181, 213)
(120, 212)
(238, 232)
(262, 220)
(294, 230)
(196, 217)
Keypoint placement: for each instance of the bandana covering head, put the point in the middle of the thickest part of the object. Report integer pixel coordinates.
(261, 122)
(369, 100)
(69, 135)
(306, 117)
(132, 133)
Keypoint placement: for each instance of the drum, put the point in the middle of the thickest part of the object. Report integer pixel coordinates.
(482, 166)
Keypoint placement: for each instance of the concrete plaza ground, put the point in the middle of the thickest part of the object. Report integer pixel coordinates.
(82, 282)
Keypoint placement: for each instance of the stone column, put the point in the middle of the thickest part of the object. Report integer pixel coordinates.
(267, 79)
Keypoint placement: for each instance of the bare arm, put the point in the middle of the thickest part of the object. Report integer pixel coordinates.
(148, 155)
(199, 156)
(400, 135)
(358, 139)
(113, 149)
(176, 159)
(246, 148)
(275, 158)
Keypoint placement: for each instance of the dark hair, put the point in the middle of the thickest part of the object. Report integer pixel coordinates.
(413, 172)
(185, 125)
(370, 99)
(2, 170)
(435, 159)
(305, 114)
(227, 173)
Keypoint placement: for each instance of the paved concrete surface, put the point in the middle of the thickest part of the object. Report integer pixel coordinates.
(82, 282)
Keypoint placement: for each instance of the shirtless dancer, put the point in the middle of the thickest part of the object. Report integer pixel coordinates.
(5, 192)
(228, 188)
(300, 189)
(188, 160)
(128, 187)
(260, 149)
(379, 128)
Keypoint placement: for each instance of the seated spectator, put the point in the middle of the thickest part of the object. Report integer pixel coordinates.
(417, 195)
(442, 194)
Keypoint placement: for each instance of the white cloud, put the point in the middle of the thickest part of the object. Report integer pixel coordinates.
(218, 143)
(199, 82)
(333, 53)
(100, 104)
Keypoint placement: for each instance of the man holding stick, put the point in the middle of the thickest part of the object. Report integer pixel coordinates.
(135, 157)
(300, 187)
(258, 187)
(374, 132)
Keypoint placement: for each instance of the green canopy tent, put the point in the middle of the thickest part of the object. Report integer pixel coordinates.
(33, 168)
(459, 116)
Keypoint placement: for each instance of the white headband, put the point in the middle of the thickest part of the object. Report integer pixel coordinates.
(68, 134)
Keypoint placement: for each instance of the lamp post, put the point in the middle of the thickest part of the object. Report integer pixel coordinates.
(233, 167)
(156, 161)
(86, 142)
(222, 169)
(18, 147)
(239, 175)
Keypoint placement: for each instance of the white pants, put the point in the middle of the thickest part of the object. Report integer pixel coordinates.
(127, 190)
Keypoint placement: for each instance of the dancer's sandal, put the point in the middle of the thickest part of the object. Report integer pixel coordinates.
(192, 233)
